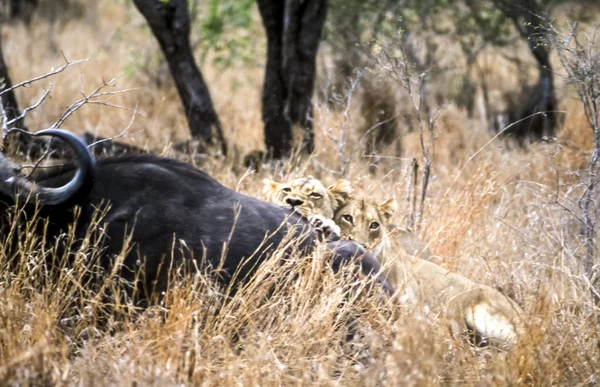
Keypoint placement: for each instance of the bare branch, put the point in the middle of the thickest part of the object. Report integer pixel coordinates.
(46, 153)
(412, 78)
(54, 71)
(581, 63)
(89, 98)
(557, 201)
(341, 139)
(413, 170)
(35, 166)
(474, 155)
(32, 107)
(4, 120)
(424, 185)
(123, 133)
(372, 128)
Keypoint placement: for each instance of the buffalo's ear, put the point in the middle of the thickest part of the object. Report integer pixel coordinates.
(271, 188)
(387, 209)
(339, 193)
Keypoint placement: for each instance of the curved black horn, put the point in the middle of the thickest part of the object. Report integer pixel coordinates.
(83, 177)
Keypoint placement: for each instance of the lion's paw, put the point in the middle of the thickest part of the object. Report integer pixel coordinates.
(327, 226)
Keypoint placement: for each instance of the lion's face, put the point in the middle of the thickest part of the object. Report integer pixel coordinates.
(308, 195)
(365, 221)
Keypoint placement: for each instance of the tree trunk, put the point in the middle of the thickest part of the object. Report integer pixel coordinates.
(528, 20)
(277, 127)
(9, 101)
(293, 30)
(170, 24)
(346, 43)
(304, 21)
(22, 9)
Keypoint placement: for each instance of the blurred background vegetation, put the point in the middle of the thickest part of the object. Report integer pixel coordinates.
(503, 211)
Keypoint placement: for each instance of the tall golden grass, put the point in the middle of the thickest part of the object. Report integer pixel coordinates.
(498, 218)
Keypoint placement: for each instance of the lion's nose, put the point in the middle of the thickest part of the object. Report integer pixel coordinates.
(294, 202)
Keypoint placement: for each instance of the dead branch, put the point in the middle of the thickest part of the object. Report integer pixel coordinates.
(474, 155)
(49, 152)
(564, 207)
(89, 98)
(54, 71)
(340, 140)
(412, 78)
(372, 128)
(35, 166)
(4, 120)
(581, 63)
(123, 133)
(413, 170)
(32, 107)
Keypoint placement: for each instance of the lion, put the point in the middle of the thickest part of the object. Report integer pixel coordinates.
(376, 218)
(469, 306)
(318, 203)
(311, 198)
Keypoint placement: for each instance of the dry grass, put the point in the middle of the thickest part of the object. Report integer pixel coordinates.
(495, 218)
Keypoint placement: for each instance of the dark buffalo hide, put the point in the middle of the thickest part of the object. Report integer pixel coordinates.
(173, 214)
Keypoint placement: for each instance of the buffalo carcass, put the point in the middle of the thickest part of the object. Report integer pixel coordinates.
(171, 212)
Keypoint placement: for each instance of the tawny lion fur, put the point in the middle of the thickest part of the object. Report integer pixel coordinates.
(318, 203)
(311, 199)
(467, 305)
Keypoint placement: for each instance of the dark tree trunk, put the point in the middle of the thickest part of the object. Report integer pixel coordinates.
(22, 9)
(293, 29)
(170, 24)
(347, 50)
(9, 101)
(277, 127)
(531, 24)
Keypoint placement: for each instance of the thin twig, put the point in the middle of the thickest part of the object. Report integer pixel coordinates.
(388, 157)
(406, 74)
(88, 99)
(341, 140)
(32, 107)
(424, 185)
(33, 167)
(486, 145)
(4, 120)
(557, 201)
(60, 69)
(581, 64)
(410, 196)
(377, 125)
(123, 132)
(46, 153)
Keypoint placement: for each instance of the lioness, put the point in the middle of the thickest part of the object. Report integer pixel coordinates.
(318, 203)
(309, 197)
(376, 226)
(493, 317)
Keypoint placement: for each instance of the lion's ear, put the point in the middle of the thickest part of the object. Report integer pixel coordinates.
(271, 188)
(387, 209)
(339, 192)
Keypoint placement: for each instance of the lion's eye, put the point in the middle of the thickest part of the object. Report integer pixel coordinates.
(315, 195)
(286, 190)
(374, 226)
(348, 218)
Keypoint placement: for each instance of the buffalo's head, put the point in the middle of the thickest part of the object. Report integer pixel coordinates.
(17, 188)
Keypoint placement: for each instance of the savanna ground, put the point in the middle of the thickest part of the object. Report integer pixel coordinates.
(494, 213)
